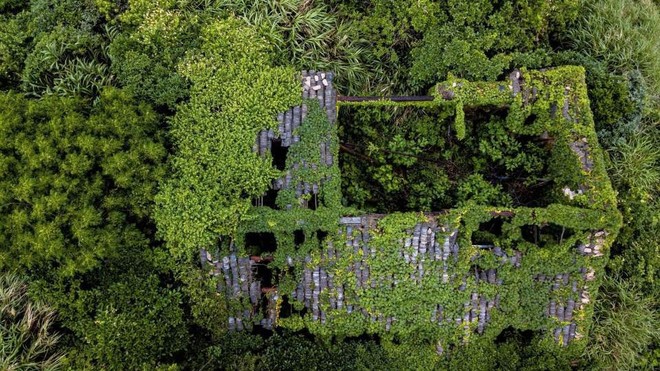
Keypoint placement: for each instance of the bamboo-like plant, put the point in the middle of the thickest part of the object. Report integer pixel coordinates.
(304, 33)
(26, 339)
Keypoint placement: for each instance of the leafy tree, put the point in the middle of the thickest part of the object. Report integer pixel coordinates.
(76, 182)
(77, 188)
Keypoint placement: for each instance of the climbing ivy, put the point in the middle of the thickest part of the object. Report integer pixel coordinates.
(234, 94)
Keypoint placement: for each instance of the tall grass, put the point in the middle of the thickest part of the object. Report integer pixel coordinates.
(623, 33)
(636, 163)
(26, 339)
(625, 324)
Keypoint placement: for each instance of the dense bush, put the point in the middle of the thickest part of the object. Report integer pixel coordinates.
(75, 183)
(305, 35)
(12, 51)
(410, 45)
(54, 47)
(66, 62)
(127, 320)
(290, 351)
(153, 40)
(400, 159)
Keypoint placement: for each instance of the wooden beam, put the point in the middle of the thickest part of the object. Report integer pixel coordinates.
(421, 98)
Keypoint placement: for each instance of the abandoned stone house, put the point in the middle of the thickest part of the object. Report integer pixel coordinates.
(427, 252)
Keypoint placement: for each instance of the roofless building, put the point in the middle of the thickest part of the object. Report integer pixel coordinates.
(304, 261)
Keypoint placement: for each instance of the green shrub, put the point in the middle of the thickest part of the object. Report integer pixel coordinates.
(306, 35)
(476, 189)
(66, 62)
(27, 340)
(76, 184)
(292, 351)
(54, 47)
(125, 324)
(45, 15)
(12, 51)
(154, 38)
(639, 261)
(479, 40)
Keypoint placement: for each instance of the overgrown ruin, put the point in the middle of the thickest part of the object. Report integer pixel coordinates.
(304, 261)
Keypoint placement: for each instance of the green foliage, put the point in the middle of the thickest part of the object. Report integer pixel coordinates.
(526, 143)
(401, 158)
(475, 188)
(7, 6)
(306, 35)
(477, 40)
(154, 39)
(27, 340)
(215, 170)
(66, 62)
(47, 15)
(12, 51)
(383, 30)
(54, 47)
(288, 351)
(625, 324)
(74, 183)
(77, 177)
(126, 313)
(394, 158)
(617, 101)
(636, 166)
(129, 323)
(232, 351)
(625, 34)
(639, 262)
(513, 350)
(316, 130)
